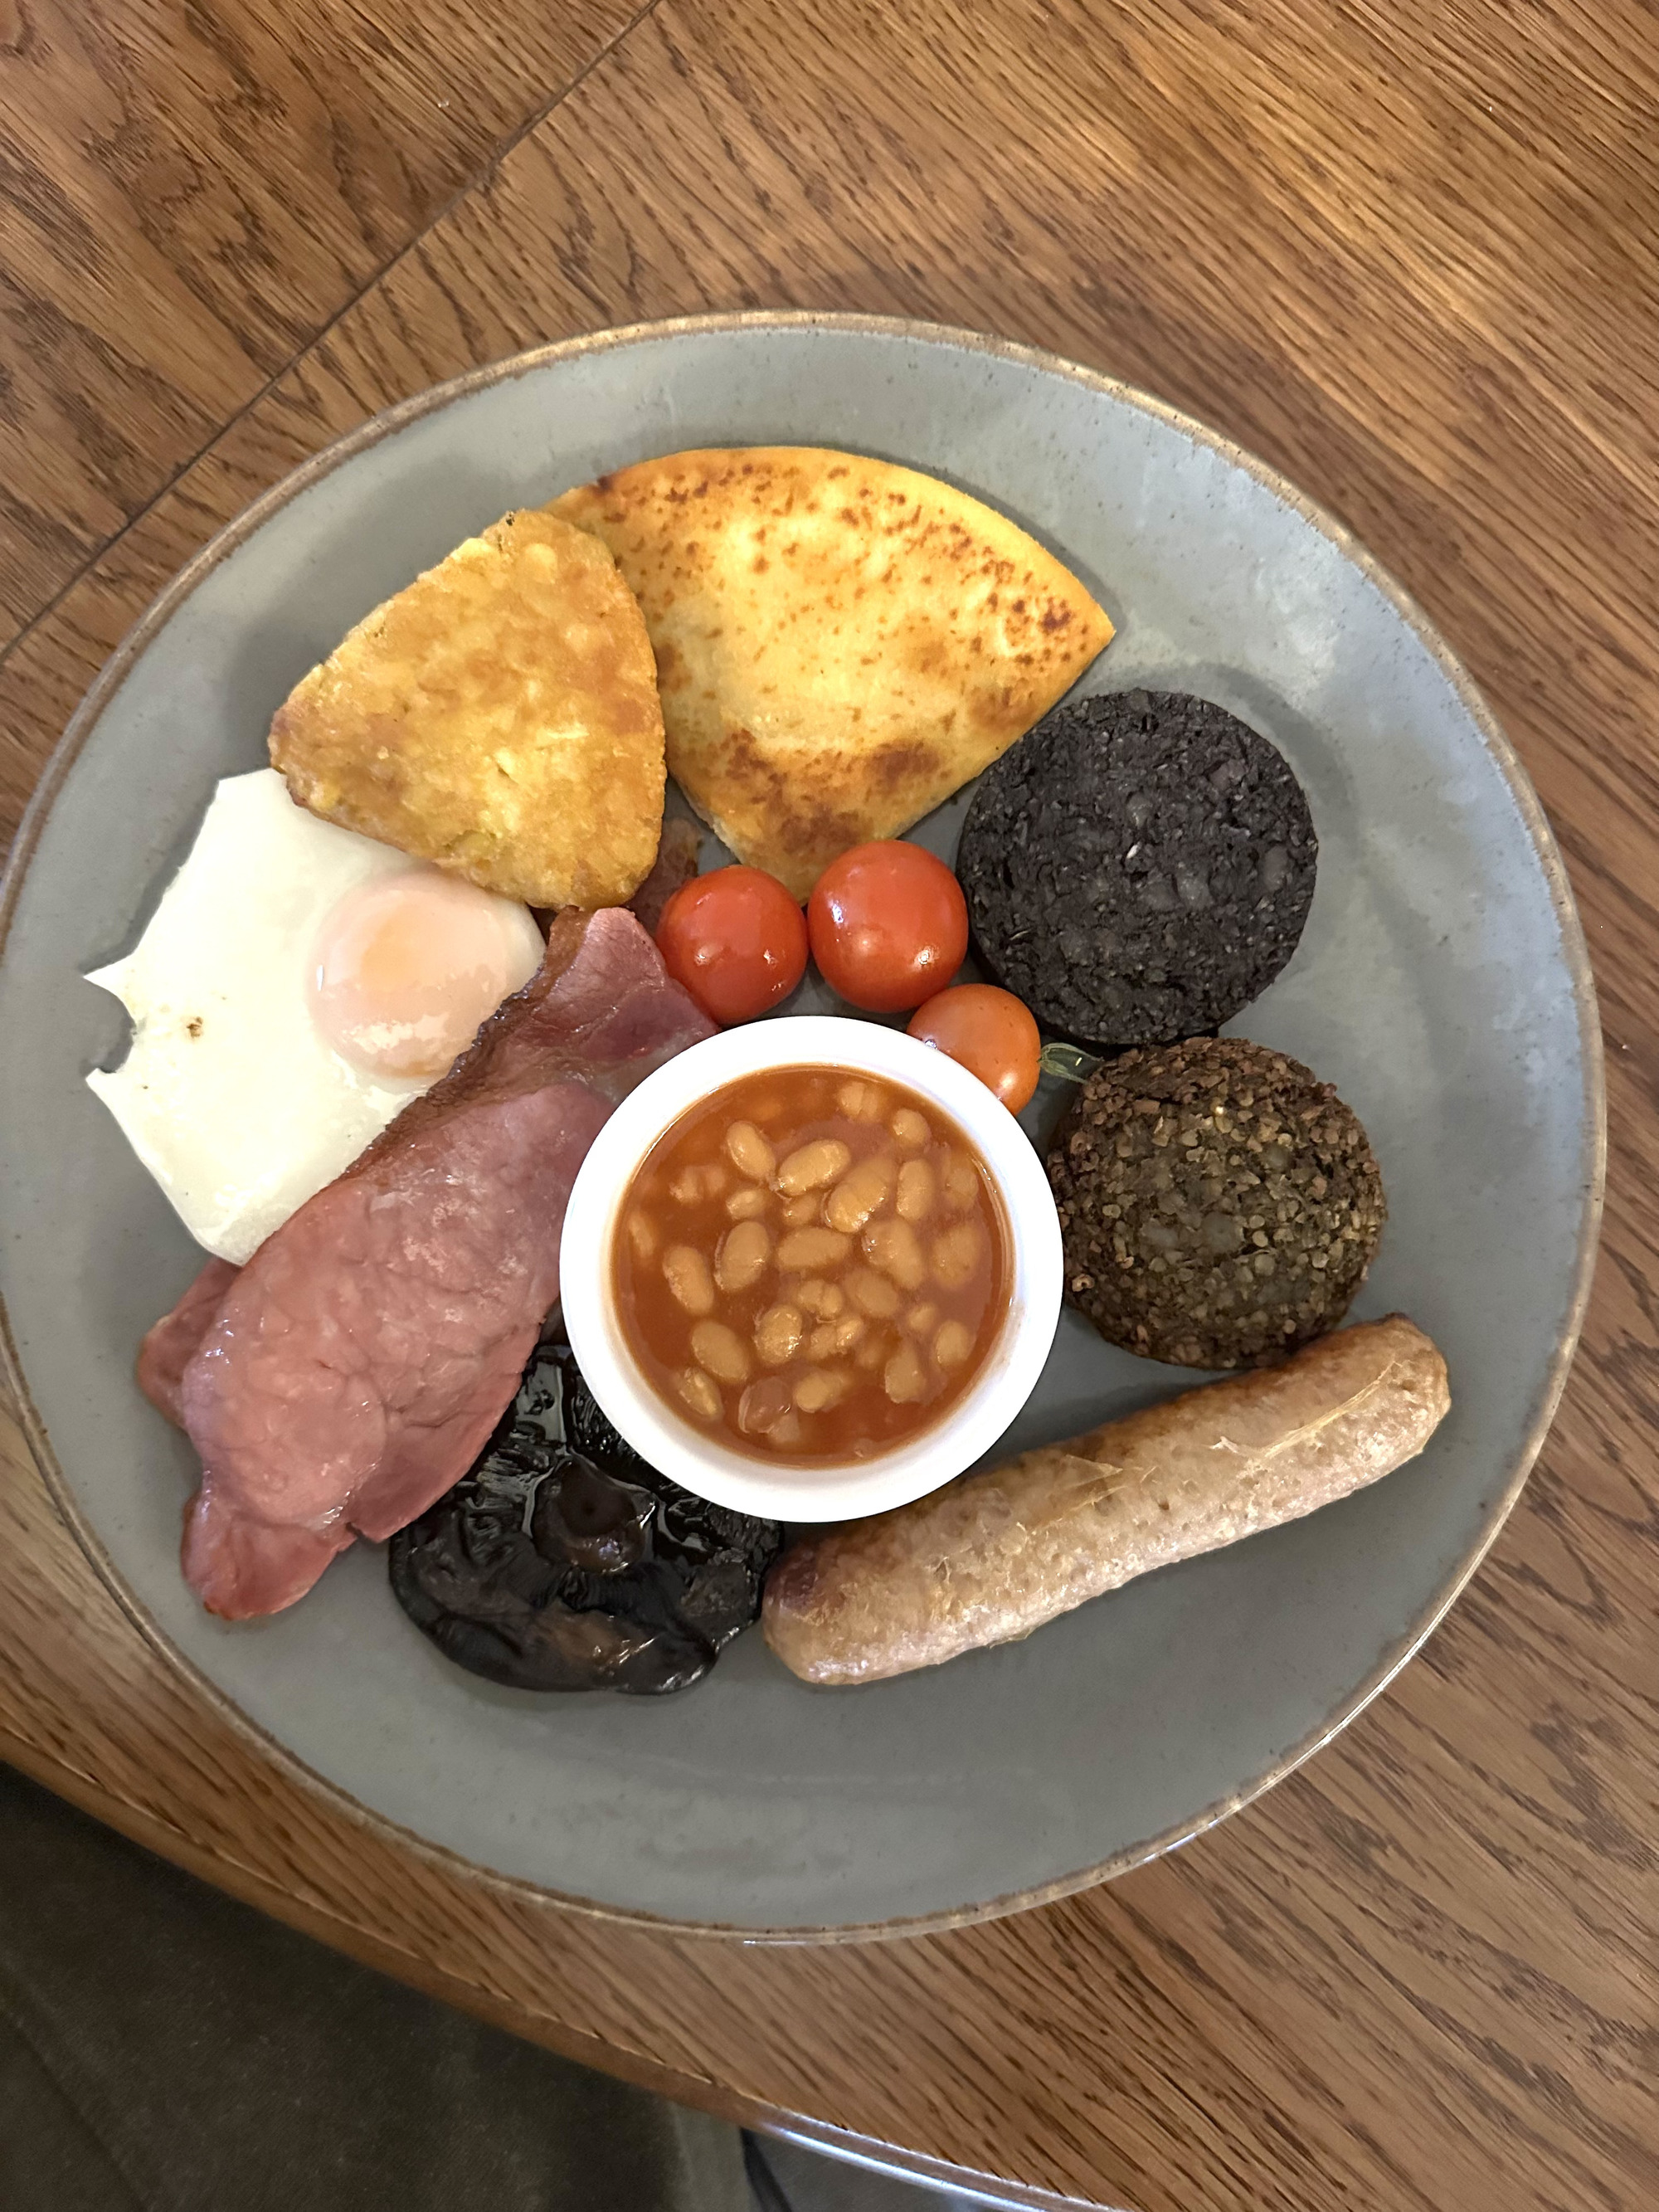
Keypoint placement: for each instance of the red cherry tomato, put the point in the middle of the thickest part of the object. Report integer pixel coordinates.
(736, 941)
(889, 925)
(990, 1032)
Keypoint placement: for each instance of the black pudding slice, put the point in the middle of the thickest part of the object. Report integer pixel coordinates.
(563, 1561)
(1138, 867)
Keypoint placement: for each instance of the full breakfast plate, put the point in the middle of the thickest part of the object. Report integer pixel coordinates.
(1181, 940)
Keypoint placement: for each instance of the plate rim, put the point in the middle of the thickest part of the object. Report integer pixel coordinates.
(1592, 1159)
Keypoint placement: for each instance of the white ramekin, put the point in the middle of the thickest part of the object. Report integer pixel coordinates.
(842, 1490)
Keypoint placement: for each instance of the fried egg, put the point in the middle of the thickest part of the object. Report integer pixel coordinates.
(298, 985)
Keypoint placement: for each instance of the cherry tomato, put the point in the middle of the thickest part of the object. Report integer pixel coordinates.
(990, 1032)
(889, 925)
(736, 941)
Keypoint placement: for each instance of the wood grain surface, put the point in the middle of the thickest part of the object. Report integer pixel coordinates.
(190, 193)
(1409, 253)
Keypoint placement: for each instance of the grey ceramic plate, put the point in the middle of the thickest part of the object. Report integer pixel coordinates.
(1441, 985)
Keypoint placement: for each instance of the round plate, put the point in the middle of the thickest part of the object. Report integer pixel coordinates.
(1441, 985)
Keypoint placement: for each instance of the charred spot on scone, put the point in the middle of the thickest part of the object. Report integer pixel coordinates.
(905, 763)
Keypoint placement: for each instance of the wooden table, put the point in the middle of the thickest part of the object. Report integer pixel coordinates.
(1404, 249)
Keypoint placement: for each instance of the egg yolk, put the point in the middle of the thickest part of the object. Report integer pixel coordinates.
(408, 966)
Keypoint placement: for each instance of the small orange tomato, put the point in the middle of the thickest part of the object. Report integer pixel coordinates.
(989, 1032)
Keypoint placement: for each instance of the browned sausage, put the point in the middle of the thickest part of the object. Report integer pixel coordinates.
(989, 1559)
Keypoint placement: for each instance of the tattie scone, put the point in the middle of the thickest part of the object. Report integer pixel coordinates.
(841, 644)
(1219, 1205)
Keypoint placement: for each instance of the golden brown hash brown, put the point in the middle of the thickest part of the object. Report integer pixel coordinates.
(499, 717)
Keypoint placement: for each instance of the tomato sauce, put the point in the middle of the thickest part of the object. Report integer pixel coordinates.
(812, 1264)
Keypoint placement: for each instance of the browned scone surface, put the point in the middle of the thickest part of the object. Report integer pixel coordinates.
(1220, 1205)
(988, 1559)
(841, 644)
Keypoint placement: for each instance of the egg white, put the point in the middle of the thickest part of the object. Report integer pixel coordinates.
(229, 1095)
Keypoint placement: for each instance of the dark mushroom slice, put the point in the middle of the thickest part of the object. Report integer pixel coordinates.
(563, 1561)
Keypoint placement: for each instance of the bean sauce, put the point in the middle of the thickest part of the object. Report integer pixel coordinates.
(812, 1264)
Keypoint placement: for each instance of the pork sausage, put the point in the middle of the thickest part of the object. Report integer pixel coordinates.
(988, 1559)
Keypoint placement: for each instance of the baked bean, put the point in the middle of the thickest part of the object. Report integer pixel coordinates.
(686, 1273)
(961, 1184)
(809, 1167)
(861, 1102)
(750, 1153)
(860, 1193)
(744, 1253)
(778, 1335)
(763, 1405)
(719, 1352)
(896, 1249)
(805, 1248)
(916, 1191)
(953, 1345)
(772, 1259)
(698, 1394)
(903, 1379)
(819, 1389)
(956, 1255)
(873, 1294)
(833, 1336)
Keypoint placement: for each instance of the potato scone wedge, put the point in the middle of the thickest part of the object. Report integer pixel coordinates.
(841, 644)
(499, 717)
